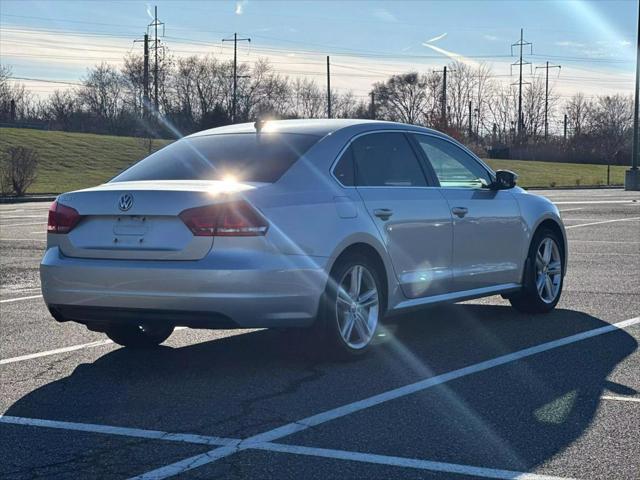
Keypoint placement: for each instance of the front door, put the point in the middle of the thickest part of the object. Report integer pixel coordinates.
(488, 231)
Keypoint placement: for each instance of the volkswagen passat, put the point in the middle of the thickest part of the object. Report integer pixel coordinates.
(325, 224)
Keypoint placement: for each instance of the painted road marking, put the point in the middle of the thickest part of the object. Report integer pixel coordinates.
(57, 351)
(402, 462)
(594, 202)
(230, 444)
(9, 300)
(23, 239)
(620, 399)
(333, 414)
(125, 432)
(604, 221)
(46, 353)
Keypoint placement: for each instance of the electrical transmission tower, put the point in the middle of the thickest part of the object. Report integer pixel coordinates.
(235, 41)
(156, 47)
(521, 44)
(546, 97)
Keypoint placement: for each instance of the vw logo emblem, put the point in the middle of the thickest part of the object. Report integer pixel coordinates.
(125, 202)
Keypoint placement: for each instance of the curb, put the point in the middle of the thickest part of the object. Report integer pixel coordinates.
(38, 198)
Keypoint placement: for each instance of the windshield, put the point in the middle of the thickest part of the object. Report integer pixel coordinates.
(245, 157)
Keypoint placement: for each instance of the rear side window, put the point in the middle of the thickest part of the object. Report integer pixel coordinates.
(344, 170)
(245, 157)
(386, 160)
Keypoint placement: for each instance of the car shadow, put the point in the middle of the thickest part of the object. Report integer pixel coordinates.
(244, 384)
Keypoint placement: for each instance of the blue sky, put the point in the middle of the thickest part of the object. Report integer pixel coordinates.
(594, 41)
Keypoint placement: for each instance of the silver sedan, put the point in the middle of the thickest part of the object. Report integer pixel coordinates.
(327, 226)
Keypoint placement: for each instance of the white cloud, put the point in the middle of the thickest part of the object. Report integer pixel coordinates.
(625, 43)
(385, 15)
(435, 39)
(570, 44)
(491, 38)
(240, 4)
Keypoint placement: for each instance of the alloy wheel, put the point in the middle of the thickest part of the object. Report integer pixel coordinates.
(548, 270)
(357, 307)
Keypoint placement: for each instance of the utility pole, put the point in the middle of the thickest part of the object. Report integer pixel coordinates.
(632, 176)
(470, 122)
(565, 126)
(372, 114)
(521, 44)
(156, 47)
(235, 41)
(546, 97)
(145, 76)
(443, 96)
(328, 88)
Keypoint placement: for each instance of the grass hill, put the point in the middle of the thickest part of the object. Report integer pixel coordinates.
(69, 161)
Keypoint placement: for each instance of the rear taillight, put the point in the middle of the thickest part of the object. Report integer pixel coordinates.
(62, 219)
(233, 219)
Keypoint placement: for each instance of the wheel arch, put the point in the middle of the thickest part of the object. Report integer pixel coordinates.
(556, 227)
(371, 248)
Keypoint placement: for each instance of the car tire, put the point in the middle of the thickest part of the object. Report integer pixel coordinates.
(349, 314)
(543, 277)
(139, 336)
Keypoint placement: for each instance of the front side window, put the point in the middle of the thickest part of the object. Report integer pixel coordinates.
(453, 166)
(247, 157)
(386, 160)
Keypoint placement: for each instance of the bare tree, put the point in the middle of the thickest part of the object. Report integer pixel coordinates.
(403, 98)
(60, 108)
(610, 122)
(306, 100)
(102, 95)
(18, 169)
(578, 109)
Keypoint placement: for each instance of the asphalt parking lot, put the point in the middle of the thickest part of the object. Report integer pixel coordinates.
(465, 391)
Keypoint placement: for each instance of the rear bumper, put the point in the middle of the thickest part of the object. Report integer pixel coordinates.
(228, 289)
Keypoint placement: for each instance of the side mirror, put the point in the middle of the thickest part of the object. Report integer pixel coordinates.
(505, 179)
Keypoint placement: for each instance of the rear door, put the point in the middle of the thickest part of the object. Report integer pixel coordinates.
(488, 231)
(411, 216)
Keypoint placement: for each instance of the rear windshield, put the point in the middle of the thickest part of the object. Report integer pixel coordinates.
(245, 157)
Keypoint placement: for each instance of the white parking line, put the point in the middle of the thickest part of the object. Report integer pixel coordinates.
(594, 202)
(571, 210)
(604, 221)
(620, 399)
(9, 300)
(402, 462)
(23, 239)
(72, 348)
(125, 432)
(57, 351)
(329, 415)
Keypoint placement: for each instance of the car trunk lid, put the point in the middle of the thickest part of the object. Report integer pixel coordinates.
(139, 220)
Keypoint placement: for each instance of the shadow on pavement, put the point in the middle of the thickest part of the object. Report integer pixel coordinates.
(245, 384)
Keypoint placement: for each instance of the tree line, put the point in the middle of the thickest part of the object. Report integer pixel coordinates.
(196, 93)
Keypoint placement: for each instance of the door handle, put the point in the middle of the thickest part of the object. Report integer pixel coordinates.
(459, 211)
(383, 213)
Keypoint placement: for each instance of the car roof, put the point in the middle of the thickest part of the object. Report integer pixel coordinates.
(319, 127)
